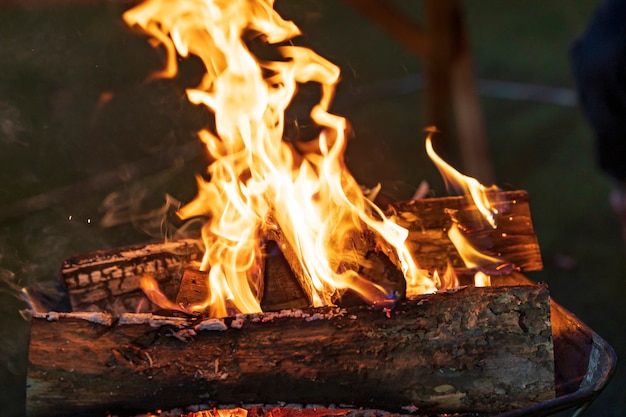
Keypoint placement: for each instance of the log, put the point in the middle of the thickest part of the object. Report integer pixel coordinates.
(371, 257)
(108, 281)
(428, 220)
(470, 350)
(281, 287)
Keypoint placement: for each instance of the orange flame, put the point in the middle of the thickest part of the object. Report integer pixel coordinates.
(463, 184)
(257, 180)
(260, 182)
(480, 195)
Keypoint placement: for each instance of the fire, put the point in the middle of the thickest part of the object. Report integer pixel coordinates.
(481, 198)
(259, 181)
(463, 184)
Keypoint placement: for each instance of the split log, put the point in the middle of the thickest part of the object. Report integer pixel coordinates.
(281, 288)
(371, 257)
(108, 281)
(471, 350)
(428, 220)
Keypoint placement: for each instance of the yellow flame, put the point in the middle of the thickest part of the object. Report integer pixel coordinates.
(449, 278)
(257, 179)
(482, 280)
(473, 258)
(464, 184)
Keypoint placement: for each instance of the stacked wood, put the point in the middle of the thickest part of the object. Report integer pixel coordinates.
(469, 350)
(109, 281)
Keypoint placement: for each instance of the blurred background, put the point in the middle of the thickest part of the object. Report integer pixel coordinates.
(89, 149)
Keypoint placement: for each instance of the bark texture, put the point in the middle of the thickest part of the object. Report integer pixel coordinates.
(470, 350)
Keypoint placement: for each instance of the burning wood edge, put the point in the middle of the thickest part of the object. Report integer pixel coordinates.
(427, 221)
(109, 281)
(273, 410)
(470, 350)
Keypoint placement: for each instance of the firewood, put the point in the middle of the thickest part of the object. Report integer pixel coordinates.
(428, 220)
(108, 281)
(281, 287)
(371, 256)
(473, 349)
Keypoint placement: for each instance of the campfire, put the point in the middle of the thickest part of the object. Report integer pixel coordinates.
(303, 287)
(263, 185)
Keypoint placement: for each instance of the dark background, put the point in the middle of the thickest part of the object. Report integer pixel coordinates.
(82, 135)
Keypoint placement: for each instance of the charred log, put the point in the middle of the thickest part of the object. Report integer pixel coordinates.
(108, 281)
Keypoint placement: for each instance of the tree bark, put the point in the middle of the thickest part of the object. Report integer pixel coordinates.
(470, 350)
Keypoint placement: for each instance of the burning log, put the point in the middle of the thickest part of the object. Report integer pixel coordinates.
(372, 257)
(281, 287)
(473, 349)
(428, 219)
(102, 281)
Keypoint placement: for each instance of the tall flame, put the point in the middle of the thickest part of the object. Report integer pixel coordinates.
(480, 196)
(463, 184)
(257, 179)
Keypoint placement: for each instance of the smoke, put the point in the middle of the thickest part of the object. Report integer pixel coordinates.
(11, 125)
(161, 222)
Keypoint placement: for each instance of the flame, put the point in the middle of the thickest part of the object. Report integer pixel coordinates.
(257, 180)
(447, 280)
(473, 258)
(480, 195)
(463, 184)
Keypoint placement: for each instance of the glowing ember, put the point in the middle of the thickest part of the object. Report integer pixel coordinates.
(258, 181)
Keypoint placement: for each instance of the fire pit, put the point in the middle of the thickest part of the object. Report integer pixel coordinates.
(415, 307)
(98, 362)
(104, 358)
